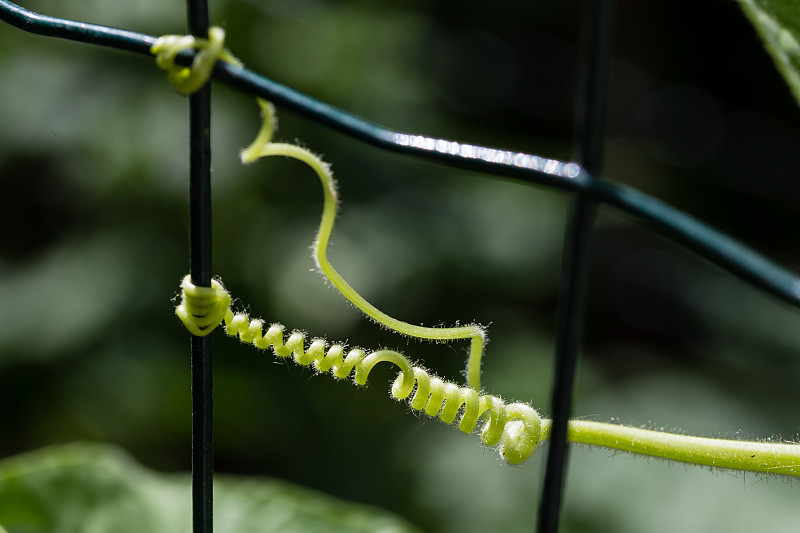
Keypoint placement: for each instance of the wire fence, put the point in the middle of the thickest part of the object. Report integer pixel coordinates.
(582, 179)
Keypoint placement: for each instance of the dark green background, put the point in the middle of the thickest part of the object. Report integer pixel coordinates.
(93, 170)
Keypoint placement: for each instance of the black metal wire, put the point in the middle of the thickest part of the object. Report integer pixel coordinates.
(706, 241)
(73, 30)
(576, 258)
(200, 269)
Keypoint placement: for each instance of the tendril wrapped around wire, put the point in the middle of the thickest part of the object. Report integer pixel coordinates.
(187, 80)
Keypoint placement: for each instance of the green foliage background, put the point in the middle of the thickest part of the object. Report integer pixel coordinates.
(93, 167)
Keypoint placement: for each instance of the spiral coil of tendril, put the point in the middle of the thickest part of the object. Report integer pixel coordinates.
(515, 429)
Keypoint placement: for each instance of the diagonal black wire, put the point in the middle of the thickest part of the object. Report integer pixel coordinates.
(706, 241)
(200, 269)
(576, 257)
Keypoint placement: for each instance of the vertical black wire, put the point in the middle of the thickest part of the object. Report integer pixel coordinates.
(576, 255)
(200, 269)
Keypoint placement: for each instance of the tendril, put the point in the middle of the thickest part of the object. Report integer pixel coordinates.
(202, 308)
(187, 80)
(515, 429)
(262, 147)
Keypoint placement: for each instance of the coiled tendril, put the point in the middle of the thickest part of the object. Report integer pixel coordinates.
(514, 428)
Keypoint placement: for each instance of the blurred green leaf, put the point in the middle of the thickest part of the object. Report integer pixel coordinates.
(93, 488)
(778, 24)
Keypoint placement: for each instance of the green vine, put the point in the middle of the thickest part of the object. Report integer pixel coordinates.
(516, 428)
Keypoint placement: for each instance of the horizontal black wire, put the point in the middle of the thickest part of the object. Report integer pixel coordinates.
(695, 235)
(74, 30)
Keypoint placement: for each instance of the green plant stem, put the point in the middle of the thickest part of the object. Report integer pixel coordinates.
(765, 457)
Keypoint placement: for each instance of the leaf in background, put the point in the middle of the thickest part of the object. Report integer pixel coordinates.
(85, 487)
(778, 24)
